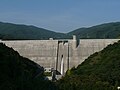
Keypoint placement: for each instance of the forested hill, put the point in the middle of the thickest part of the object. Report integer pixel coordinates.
(16, 31)
(19, 73)
(101, 71)
(107, 30)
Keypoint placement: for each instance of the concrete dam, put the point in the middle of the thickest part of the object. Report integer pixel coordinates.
(59, 55)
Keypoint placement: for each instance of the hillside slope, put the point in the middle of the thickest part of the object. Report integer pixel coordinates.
(19, 73)
(16, 31)
(101, 71)
(107, 30)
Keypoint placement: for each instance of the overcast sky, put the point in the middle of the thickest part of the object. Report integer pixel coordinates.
(60, 15)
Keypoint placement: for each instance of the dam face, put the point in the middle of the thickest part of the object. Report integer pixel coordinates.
(60, 55)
